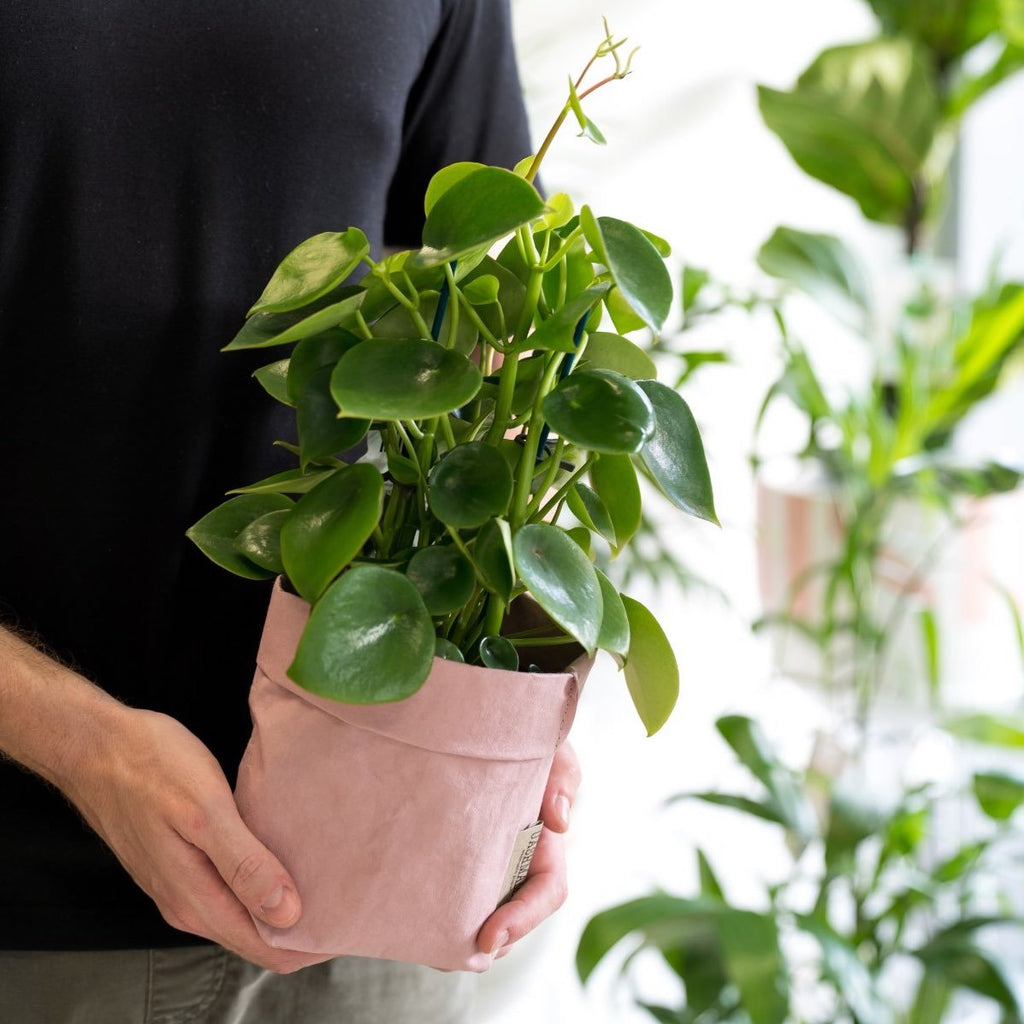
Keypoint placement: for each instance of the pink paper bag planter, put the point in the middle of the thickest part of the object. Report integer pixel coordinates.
(397, 821)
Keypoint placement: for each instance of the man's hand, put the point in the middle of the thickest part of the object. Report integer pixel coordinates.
(157, 797)
(545, 888)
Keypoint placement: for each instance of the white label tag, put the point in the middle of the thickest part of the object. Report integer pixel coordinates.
(519, 864)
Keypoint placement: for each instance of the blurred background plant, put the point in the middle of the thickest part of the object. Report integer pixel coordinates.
(879, 917)
(876, 475)
(898, 894)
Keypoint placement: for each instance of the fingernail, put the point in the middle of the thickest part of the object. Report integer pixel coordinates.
(562, 807)
(280, 907)
(499, 943)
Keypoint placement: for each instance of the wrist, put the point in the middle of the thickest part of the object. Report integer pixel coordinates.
(53, 721)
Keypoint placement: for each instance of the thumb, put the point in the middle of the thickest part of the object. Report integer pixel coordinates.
(252, 872)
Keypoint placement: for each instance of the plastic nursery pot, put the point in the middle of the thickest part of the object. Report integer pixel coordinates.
(403, 824)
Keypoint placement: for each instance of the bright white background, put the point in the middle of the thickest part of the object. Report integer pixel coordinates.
(689, 158)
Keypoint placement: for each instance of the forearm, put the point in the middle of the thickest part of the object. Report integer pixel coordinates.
(52, 720)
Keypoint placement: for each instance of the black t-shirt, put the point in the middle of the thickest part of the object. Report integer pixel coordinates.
(156, 163)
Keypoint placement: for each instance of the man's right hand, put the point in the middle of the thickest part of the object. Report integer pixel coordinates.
(157, 797)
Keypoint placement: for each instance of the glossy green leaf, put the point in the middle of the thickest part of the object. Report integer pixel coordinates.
(743, 804)
(369, 639)
(312, 353)
(329, 527)
(291, 481)
(624, 319)
(476, 211)
(613, 352)
(999, 794)
(510, 296)
(215, 534)
(273, 378)
(862, 118)
(634, 264)
(312, 269)
(675, 453)
(446, 178)
(614, 633)
(821, 266)
(652, 674)
(492, 553)
(588, 508)
(602, 411)
(320, 431)
(561, 580)
(260, 541)
(406, 379)
(443, 577)
(557, 332)
(446, 649)
(403, 470)
(262, 330)
(497, 652)
(470, 485)
(749, 744)
(755, 964)
(482, 290)
(615, 482)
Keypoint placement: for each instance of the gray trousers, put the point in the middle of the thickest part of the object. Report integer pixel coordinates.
(207, 985)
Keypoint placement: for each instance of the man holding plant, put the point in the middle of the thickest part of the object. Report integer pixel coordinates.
(157, 164)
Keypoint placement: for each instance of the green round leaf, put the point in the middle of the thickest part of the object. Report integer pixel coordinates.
(405, 379)
(652, 674)
(445, 178)
(561, 579)
(675, 454)
(329, 527)
(443, 577)
(260, 541)
(215, 534)
(263, 330)
(614, 633)
(497, 652)
(492, 553)
(369, 639)
(476, 211)
(324, 349)
(470, 485)
(613, 352)
(616, 486)
(273, 379)
(312, 269)
(589, 509)
(446, 649)
(634, 263)
(320, 431)
(600, 410)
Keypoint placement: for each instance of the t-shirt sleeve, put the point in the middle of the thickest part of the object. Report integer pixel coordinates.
(466, 104)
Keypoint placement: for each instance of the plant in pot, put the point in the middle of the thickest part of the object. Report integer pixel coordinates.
(874, 918)
(432, 620)
(863, 534)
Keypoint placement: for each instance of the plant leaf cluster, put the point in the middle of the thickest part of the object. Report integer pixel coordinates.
(491, 377)
(866, 890)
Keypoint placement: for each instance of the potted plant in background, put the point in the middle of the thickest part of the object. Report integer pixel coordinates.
(881, 522)
(874, 919)
(490, 395)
